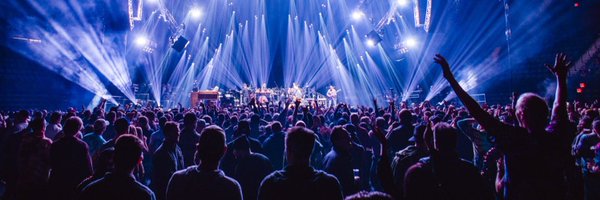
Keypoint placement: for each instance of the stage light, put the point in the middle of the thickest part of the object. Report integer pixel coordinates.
(141, 41)
(195, 13)
(579, 90)
(357, 15)
(180, 44)
(402, 3)
(373, 38)
(582, 85)
(410, 42)
(371, 43)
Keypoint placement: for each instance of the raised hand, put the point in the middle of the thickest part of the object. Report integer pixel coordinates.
(561, 66)
(439, 59)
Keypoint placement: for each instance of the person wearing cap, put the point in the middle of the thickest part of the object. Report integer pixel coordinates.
(482, 141)
(94, 140)
(408, 156)
(249, 168)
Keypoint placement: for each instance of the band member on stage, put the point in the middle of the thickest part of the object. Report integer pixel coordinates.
(295, 91)
(264, 93)
(332, 96)
(246, 93)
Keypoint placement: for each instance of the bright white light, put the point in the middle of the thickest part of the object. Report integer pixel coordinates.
(371, 43)
(153, 1)
(410, 42)
(141, 41)
(357, 15)
(195, 13)
(403, 3)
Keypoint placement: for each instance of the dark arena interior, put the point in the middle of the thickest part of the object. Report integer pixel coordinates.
(300, 99)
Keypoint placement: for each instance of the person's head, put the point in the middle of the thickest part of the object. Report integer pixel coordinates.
(374, 195)
(380, 122)
(240, 146)
(596, 127)
(38, 126)
(243, 128)
(299, 143)
(200, 124)
(405, 116)
(99, 126)
(190, 120)
(162, 121)
(211, 145)
(72, 126)
(207, 119)
(276, 127)
(444, 137)
(143, 122)
(111, 116)
(300, 123)
(532, 112)
(354, 118)
(104, 162)
(128, 153)
(121, 126)
(417, 137)
(55, 117)
(171, 130)
(22, 116)
(340, 138)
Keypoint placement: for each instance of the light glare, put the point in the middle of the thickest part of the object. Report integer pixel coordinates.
(402, 3)
(195, 13)
(357, 15)
(410, 42)
(141, 41)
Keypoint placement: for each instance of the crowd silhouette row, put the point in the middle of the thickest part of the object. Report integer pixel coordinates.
(522, 150)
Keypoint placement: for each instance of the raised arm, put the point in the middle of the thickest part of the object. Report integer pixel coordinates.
(560, 70)
(485, 119)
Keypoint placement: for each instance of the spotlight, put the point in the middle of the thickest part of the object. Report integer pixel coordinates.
(410, 42)
(402, 3)
(141, 41)
(180, 44)
(373, 38)
(371, 43)
(195, 13)
(357, 15)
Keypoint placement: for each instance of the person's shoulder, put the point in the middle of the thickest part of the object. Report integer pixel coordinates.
(275, 176)
(588, 137)
(93, 186)
(259, 156)
(186, 172)
(322, 175)
(230, 182)
(147, 192)
(418, 168)
(88, 135)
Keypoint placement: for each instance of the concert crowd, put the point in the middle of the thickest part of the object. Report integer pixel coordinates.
(527, 149)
